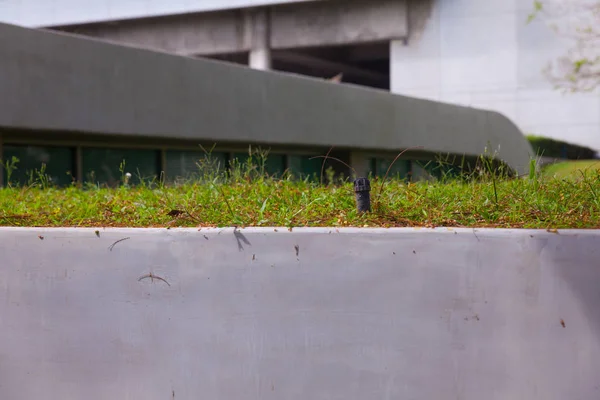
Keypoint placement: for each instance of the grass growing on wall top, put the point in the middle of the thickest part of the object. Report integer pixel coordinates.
(247, 198)
(572, 169)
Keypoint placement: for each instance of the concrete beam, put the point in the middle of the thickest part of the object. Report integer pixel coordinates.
(43, 13)
(265, 314)
(338, 22)
(187, 34)
(316, 23)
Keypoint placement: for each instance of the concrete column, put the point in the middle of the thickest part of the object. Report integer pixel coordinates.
(398, 73)
(360, 162)
(260, 42)
(419, 173)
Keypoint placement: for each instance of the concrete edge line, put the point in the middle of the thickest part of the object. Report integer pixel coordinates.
(490, 232)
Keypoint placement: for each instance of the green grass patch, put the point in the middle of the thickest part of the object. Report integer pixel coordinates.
(244, 197)
(572, 169)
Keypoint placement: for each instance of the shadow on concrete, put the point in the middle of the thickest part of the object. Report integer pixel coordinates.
(239, 236)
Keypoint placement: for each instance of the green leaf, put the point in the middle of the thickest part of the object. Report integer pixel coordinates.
(537, 7)
(264, 206)
(580, 63)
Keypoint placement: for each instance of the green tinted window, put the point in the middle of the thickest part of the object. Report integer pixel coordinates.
(400, 170)
(102, 166)
(440, 170)
(58, 161)
(274, 164)
(190, 164)
(302, 166)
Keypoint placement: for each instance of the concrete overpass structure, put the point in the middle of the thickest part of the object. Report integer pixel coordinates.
(87, 104)
(318, 38)
(469, 52)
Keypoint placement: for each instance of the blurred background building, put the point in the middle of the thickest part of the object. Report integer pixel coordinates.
(468, 52)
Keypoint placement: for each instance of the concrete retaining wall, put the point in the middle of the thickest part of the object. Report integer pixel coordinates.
(309, 314)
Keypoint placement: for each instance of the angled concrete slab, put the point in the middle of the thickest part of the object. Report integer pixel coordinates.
(55, 82)
(307, 314)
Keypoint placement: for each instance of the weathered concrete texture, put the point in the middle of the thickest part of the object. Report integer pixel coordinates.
(311, 314)
(484, 54)
(53, 81)
(217, 32)
(315, 23)
(338, 22)
(38, 13)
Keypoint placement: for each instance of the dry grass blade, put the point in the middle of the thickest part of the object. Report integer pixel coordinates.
(389, 169)
(334, 159)
(323, 164)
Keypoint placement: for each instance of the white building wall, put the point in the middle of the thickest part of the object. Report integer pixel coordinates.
(469, 52)
(484, 54)
(35, 13)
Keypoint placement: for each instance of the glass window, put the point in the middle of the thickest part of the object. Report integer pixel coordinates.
(59, 164)
(400, 170)
(103, 166)
(275, 164)
(440, 170)
(303, 166)
(189, 164)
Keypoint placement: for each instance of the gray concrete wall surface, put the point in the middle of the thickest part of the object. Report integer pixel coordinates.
(325, 23)
(315, 23)
(308, 314)
(56, 81)
(485, 54)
